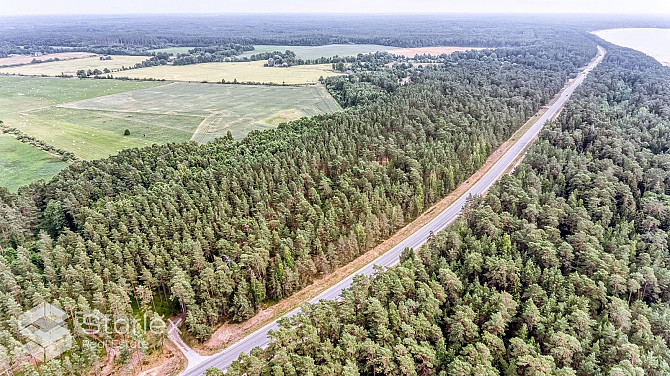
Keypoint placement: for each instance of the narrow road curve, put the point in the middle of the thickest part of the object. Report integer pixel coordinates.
(260, 337)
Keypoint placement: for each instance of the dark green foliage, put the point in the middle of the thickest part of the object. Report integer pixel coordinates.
(562, 269)
(224, 227)
(54, 221)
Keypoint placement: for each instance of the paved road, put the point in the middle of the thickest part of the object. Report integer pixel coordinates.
(390, 258)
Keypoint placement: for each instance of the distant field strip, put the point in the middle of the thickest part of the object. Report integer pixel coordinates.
(315, 52)
(253, 71)
(239, 109)
(70, 67)
(27, 59)
(435, 51)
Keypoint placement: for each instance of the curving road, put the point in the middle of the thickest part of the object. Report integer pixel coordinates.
(391, 258)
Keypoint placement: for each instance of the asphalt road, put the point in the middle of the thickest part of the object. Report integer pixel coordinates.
(391, 258)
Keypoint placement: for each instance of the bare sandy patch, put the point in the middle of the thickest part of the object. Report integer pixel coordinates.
(166, 362)
(27, 59)
(435, 51)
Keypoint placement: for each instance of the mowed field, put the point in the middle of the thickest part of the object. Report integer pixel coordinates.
(173, 50)
(239, 109)
(70, 67)
(315, 52)
(21, 164)
(435, 51)
(29, 104)
(253, 71)
(27, 59)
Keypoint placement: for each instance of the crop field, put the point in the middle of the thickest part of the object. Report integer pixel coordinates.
(21, 94)
(70, 67)
(235, 108)
(435, 51)
(29, 104)
(173, 50)
(89, 117)
(253, 71)
(315, 52)
(21, 164)
(27, 59)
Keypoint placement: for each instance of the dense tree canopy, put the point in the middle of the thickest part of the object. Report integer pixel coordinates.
(562, 269)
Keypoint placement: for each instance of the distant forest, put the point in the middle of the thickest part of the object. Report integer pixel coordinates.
(134, 35)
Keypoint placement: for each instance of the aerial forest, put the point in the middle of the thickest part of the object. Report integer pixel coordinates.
(560, 269)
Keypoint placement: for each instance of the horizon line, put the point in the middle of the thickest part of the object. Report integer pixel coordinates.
(233, 13)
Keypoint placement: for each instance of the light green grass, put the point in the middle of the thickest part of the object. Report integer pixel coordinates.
(81, 139)
(88, 117)
(21, 164)
(149, 127)
(28, 103)
(315, 52)
(70, 67)
(21, 94)
(173, 50)
(253, 71)
(235, 108)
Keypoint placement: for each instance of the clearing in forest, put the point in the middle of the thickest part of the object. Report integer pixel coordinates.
(434, 51)
(251, 71)
(70, 67)
(27, 59)
(315, 52)
(239, 109)
(30, 105)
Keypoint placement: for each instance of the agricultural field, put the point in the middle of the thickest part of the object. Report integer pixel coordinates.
(21, 164)
(239, 109)
(173, 50)
(29, 104)
(27, 59)
(435, 51)
(315, 52)
(70, 67)
(241, 71)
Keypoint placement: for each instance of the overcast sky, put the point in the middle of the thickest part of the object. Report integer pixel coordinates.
(22, 7)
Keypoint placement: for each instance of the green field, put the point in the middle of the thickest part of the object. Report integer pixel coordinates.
(89, 117)
(315, 52)
(21, 164)
(253, 71)
(235, 108)
(29, 104)
(173, 50)
(70, 67)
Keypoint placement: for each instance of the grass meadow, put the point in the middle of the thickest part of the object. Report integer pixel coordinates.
(253, 71)
(239, 109)
(89, 117)
(21, 164)
(315, 52)
(29, 104)
(70, 67)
